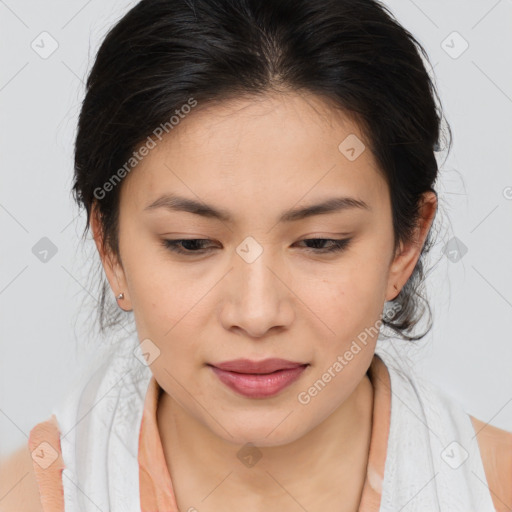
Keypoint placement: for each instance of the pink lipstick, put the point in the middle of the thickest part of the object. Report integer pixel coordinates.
(258, 379)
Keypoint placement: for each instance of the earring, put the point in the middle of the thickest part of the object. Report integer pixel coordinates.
(120, 296)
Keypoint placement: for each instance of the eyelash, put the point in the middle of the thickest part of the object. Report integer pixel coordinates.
(336, 245)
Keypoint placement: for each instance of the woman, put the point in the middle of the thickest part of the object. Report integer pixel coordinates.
(259, 180)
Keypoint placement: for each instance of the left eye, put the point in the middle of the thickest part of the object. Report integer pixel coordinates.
(336, 245)
(195, 245)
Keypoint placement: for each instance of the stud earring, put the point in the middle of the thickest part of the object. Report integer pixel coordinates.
(120, 296)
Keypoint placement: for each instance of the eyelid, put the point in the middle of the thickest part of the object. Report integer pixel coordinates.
(337, 245)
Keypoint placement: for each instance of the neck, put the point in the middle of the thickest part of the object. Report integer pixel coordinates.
(327, 464)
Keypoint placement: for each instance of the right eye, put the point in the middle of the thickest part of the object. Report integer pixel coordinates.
(190, 245)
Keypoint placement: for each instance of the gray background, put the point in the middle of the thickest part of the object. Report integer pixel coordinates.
(46, 335)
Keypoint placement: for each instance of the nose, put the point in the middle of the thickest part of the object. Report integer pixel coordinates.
(257, 296)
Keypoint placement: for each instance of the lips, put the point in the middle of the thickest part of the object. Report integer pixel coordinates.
(257, 367)
(258, 379)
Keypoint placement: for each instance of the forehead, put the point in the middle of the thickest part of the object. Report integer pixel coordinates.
(268, 149)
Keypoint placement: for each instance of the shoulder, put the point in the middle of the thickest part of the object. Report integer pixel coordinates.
(495, 446)
(32, 474)
(18, 484)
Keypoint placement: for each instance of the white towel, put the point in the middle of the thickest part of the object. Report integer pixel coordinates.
(433, 461)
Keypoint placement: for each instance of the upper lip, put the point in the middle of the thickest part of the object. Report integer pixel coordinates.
(264, 366)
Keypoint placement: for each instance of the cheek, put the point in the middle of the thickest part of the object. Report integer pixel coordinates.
(156, 292)
(166, 302)
(350, 300)
(150, 278)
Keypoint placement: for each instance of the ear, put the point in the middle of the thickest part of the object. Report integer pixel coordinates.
(407, 256)
(111, 264)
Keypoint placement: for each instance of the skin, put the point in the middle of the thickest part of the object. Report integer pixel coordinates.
(256, 159)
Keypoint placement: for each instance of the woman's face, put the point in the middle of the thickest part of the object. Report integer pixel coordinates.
(254, 288)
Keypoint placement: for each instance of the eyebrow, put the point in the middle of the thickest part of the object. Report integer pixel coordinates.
(183, 204)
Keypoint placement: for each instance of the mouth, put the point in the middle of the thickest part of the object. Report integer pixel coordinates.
(258, 379)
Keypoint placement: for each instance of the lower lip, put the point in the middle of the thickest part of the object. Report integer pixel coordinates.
(259, 386)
